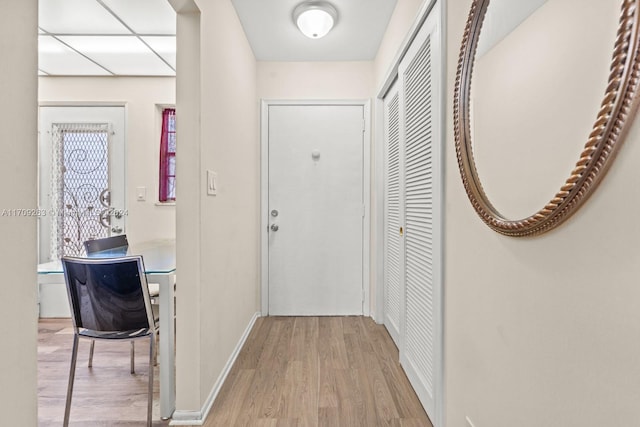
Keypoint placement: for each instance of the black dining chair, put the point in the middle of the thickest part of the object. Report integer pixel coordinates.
(114, 246)
(117, 246)
(109, 301)
(107, 246)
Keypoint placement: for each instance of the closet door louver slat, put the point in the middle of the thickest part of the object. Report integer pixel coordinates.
(419, 335)
(393, 242)
(412, 113)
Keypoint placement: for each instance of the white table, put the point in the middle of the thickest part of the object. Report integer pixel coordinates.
(160, 265)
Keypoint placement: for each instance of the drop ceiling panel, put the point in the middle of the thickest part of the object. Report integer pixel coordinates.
(57, 59)
(121, 55)
(268, 25)
(145, 16)
(164, 46)
(77, 17)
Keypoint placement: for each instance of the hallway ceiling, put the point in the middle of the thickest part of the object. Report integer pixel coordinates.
(274, 36)
(138, 38)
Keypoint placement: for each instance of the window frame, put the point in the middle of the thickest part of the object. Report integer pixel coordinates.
(166, 157)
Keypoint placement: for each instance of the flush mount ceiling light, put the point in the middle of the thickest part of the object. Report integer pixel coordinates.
(315, 18)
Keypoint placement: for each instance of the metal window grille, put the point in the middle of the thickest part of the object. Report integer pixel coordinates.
(80, 197)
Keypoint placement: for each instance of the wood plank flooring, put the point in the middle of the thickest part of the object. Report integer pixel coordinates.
(106, 395)
(317, 371)
(292, 371)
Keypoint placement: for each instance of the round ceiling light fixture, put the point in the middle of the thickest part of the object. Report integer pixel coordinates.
(315, 18)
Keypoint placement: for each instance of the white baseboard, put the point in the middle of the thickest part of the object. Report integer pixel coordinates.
(197, 418)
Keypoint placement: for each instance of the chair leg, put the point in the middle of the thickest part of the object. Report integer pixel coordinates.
(93, 344)
(72, 374)
(155, 354)
(152, 350)
(133, 354)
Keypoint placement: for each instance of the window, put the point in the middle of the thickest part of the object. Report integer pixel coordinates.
(167, 185)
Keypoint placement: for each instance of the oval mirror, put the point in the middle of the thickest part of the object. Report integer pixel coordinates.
(540, 69)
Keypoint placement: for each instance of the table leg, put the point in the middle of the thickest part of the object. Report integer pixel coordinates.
(167, 344)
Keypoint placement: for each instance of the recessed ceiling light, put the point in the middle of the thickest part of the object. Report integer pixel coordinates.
(315, 18)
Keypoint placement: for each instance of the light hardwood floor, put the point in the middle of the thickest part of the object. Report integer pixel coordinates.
(105, 395)
(292, 371)
(317, 371)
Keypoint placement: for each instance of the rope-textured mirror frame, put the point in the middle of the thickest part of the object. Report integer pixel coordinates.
(617, 109)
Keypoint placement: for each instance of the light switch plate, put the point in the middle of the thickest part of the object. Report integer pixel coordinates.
(141, 194)
(212, 183)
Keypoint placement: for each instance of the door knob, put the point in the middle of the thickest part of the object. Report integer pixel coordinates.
(274, 227)
(116, 229)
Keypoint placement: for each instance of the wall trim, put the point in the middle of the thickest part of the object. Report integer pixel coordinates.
(378, 226)
(197, 418)
(83, 103)
(366, 224)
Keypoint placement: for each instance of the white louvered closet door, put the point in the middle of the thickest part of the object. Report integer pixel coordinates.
(419, 99)
(393, 213)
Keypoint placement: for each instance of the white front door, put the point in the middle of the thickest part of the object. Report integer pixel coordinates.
(315, 209)
(82, 177)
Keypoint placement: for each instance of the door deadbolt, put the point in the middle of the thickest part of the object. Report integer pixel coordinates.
(274, 213)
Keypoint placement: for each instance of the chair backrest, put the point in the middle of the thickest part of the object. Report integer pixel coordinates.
(108, 294)
(113, 246)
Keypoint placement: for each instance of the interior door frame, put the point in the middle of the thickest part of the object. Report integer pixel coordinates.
(264, 193)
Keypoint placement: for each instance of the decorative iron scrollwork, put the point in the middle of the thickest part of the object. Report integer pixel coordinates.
(105, 197)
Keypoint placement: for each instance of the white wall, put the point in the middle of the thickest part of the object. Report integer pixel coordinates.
(403, 17)
(18, 250)
(543, 331)
(142, 97)
(231, 220)
(188, 251)
(527, 83)
(315, 80)
(219, 283)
